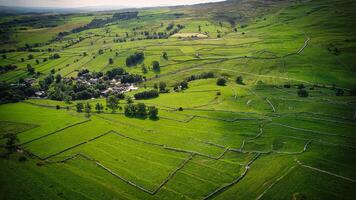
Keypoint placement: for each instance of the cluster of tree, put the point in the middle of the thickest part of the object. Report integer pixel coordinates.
(204, 75)
(135, 59)
(54, 56)
(140, 110)
(125, 77)
(15, 93)
(180, 86)
(7, 68)
(34, 21)
(112, 102)
(146, 94)
(170, 26)
(161, 86)
(86, 107)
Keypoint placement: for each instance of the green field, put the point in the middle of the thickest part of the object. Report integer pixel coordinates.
(253, 140)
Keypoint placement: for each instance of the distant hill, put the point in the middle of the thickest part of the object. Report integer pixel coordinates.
(5, 10)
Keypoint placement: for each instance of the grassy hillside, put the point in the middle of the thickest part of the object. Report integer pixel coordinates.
(257, 137)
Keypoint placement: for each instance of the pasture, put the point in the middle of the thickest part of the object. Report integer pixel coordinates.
(253, 140)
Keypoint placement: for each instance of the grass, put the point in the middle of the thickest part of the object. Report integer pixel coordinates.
(244, 138)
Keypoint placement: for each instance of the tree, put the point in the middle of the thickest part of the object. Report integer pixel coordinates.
(4, 56)
(165, 56)
(146, 94)
(112, 102)
(99, 107)
(58, 78)
(339, 92)
(30, 69)
(141, 110)
(162, 86)
(30, 56)
(87, 109)
(155, 66)
(129, 100)
(111, 61)
(144, 69)
(79, 107)
(152, 112)
(221, 81)
(134, 59)
(100, 51)
(55, 56)
(11, 139)
(37, 61)
(239, 80)
(303, 93)
(184, 85)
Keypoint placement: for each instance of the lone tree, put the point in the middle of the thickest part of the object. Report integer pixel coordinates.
(144, 69)
(339, 92)
(112, 102)
(30, 69)
(165, 55)
(162, 86)
(303, 93)
(111, 61)
(239, 80)
(87, 109)
(79, 107)
(155, 66)
(30, 56)
(221, 81)
(152, 112)
(11, 139)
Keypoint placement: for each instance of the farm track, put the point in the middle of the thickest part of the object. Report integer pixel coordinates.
(325, 172)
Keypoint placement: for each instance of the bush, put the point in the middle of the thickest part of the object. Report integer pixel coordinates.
(221, 81)
(58, 107)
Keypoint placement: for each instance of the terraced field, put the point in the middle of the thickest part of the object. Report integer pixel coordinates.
(253, 140)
